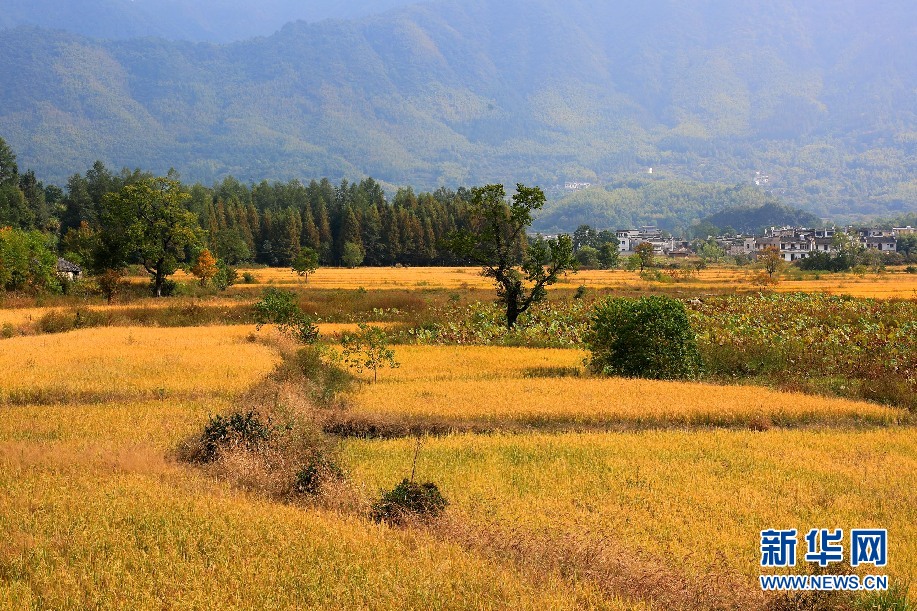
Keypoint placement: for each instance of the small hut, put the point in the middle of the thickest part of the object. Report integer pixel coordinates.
(68, 271)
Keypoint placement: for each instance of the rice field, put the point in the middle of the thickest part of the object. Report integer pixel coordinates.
(94, 514)
(892, 284)
(681, 498)
(565, 491)
(132, 362)
(475, 387)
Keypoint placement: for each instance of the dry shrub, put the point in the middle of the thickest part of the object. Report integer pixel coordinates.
(273, 442)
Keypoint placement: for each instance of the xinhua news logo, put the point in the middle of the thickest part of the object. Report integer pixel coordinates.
(868, 547)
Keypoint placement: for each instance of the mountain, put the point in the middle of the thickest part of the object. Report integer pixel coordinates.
(198, 20)
(814, 99)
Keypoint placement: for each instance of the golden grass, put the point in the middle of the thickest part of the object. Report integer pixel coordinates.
(684, 497)
(136, 542)
(493, 387)
(94, 512)
(95, 364)
(94, 515)
(888, 285)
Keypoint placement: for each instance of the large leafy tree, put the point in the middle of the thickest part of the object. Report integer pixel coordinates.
(148, 222)
(495, 239)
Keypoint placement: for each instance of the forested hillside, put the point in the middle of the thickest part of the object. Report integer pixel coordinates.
(817, 96)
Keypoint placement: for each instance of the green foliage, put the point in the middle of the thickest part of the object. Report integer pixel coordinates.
(368, 349)
(644, 255)
(588, 257)
(409, 500)
(226, 275)
(753, 219)
(27, 262)
(352, 255)
(650, 337)
(609, 255)
(280, 308)
(495, 239)
(868, 346)
(239, 429)
(148, 222)
(306, 262)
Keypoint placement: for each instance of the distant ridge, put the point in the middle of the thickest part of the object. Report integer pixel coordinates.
(816, 95)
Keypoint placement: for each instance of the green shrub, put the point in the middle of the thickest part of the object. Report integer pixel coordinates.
(318, 365)
(225, 277)
(649, 337)
(236, 430)
(409, 500)
(248, 278)
(280, 308)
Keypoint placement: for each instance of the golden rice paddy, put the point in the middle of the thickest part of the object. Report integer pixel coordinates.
(491, 387)
(688, 497)
(892, 284)
(132, 362)
(95, 511)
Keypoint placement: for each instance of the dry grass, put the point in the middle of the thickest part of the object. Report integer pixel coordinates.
(118, 363)
(486, 388)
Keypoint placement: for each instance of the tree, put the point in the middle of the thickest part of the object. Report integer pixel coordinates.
(206, 267)
(352, 255)
(231, 247)
(147, 222)
(584, 236)
(907, 245)
(650, 337)
(710, 251)
(280, 308)
(609, 254)
(305, 263)
(27, 262)
(587, 257)
(496, 240)
(770, 260)
(80, 244)
(109, 282)
(368, 349)
(874, 259)
(644, 253)
(9, 170)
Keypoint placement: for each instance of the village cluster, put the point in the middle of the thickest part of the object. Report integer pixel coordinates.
(794, 243)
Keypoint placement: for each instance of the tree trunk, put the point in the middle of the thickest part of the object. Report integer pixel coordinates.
(512, 313)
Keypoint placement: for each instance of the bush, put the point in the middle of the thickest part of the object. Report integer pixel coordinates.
(248, 278)
(409, 500)
(650, 337)
(280, 308)
(318, 365)
(225, 276)
(237, 429)
(170, 288)
(320, 469)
